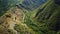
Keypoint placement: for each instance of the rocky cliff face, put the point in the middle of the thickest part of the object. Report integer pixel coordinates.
(10, 18)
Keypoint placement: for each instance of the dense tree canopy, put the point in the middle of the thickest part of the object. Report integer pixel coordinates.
(7, 4)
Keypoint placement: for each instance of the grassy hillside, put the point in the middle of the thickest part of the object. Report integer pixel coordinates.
(42, 20)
